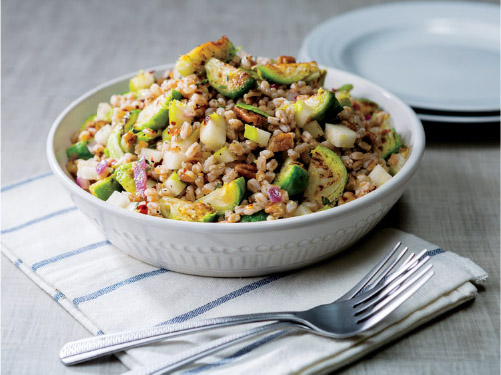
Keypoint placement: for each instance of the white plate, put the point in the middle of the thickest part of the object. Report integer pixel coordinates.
(434, 55)
(458, 118)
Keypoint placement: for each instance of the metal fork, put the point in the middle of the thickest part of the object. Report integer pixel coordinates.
(400, 292)
(367, 303)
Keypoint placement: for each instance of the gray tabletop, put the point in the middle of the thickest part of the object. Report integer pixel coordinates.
(53, 51)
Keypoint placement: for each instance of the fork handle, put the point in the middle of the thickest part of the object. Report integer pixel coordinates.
(97, 346)
(190, 356)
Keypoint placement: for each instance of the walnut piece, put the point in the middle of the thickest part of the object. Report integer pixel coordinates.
(281, 142)
(96, 124)
(285, 60)
(275, 209)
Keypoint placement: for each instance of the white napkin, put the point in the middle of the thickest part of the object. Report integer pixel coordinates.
(107, 291)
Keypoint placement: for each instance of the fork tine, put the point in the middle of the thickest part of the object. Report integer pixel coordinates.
(417, 258)
(389, 268)
(389, 298)
(381, 282)
(392, 279)
(375, 295)
(366, 280)
(371, 300)
(412, 261)
(376, 318)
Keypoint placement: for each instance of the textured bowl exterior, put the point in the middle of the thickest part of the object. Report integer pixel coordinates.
(235, 253)
(245, 249)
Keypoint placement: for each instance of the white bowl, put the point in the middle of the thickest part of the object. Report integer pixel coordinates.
(244, 249)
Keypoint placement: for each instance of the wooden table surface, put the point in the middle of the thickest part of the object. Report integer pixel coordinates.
(53, 51)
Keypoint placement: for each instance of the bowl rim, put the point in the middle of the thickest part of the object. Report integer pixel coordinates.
(349, 208)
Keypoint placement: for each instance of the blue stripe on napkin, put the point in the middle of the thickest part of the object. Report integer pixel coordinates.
(435, 252)
(59, 257)
(115, 286)
(58, 295)
(241, 352)
(39, 219)
(219, 301)
(20, 183)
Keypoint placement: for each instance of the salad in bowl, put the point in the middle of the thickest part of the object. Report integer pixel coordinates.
(225, 136)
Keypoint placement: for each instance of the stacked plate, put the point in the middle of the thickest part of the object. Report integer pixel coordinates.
(442, 58)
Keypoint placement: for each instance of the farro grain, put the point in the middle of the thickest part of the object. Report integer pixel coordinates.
(253, 185)
(269, 176)
(193, 150)
(261, 163)
(232, 217)
(260, 176)
(190, 193)
(251, 209)
(259, 198)
(272, 165)
(186, 130)
(290, 208)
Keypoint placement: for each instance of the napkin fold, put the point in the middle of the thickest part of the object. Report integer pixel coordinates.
(48, 239)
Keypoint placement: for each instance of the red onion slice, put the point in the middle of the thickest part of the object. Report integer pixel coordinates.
(140, 176)
(102, 167)
(274, 194)
(83, 183)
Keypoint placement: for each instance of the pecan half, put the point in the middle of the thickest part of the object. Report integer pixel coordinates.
(286, 60)
(246, 170)
(250, 117)
(281, 142)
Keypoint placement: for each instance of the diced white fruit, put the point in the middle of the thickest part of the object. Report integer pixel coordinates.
(213, 132)
(173, 160)
(184, 145)
(87, 169)
(104, 112)
(302, 210)
(174, 184)
(224, 156)
(118, 199)
(132, 206)
(314, 129)
(379, 176)
(103, 134)
(303, 113)
(151, 155)
(150, 183)
(340, 135)
(261, 137)
(141, 81)
(143, 93)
